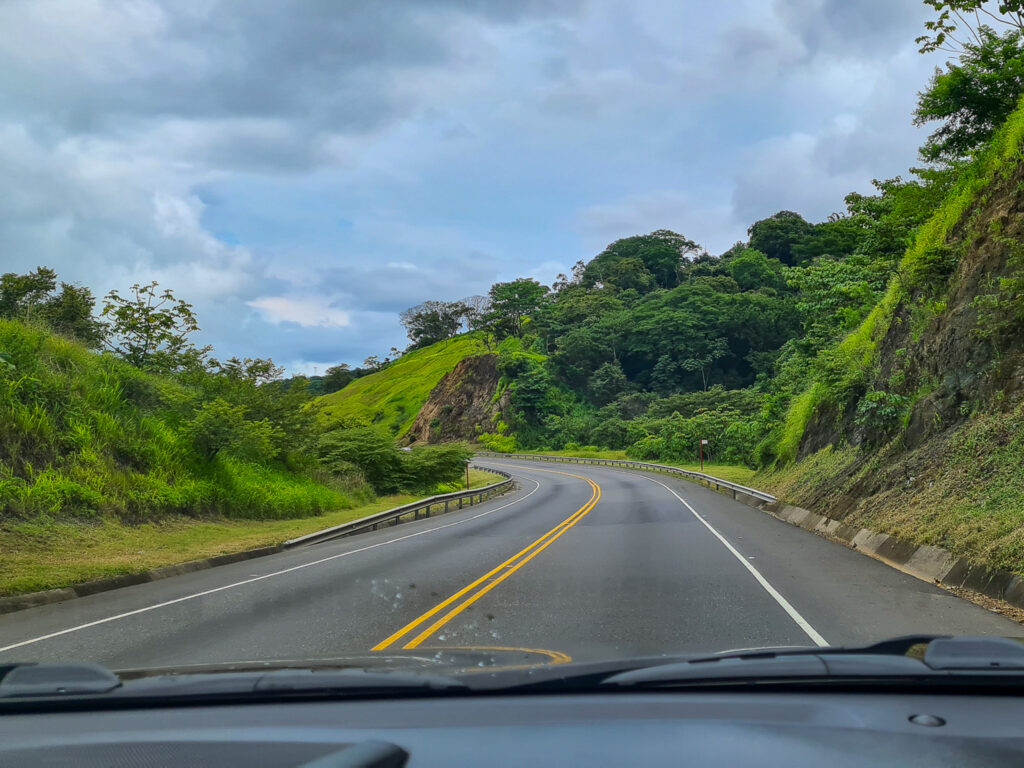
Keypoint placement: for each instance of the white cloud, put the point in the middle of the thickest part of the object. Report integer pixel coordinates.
(307, 311)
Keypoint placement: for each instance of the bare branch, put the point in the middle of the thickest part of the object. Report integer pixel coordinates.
(968, 25)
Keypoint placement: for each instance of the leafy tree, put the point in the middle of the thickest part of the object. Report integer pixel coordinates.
(778, 235)
(512, 303)
(433, 321)
(714, 350)
(973, 97)
(753, 270)
(337, 377)
(607, 383)
(424, 467)
(252, 369)
(33, 298)
(218, 426)
(369, 450)
(150, 329)
(642, 261)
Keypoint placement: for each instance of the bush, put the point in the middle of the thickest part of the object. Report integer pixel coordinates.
(430, 465)
(369, 449)
(219, 426)
(498, 443)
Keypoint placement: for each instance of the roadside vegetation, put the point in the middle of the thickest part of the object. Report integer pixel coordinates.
(58, 552)
(116, 426)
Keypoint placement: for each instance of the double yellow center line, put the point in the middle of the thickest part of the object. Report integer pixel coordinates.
(469, 594)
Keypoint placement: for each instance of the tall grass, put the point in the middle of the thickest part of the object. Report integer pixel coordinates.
(85, 435)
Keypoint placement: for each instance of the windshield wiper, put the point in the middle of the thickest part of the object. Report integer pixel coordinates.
(947, 659)
(76, 681)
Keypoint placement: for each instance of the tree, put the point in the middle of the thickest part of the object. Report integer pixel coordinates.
(512, 303)
(778, 235)
(753, 270)
(150, 329)
(961, 22)
(973, 97)
(715, 350)
(32, 298)
(433, 321)
(337, 377)
(607, 383)
(663, 254)
(252, 369)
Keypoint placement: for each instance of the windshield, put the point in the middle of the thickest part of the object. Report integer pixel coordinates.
(497, 336)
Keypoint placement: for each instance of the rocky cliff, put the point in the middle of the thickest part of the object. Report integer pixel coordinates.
(462, 405)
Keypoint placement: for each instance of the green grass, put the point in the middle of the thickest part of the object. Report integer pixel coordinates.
(962, 490)
(392, 397)
(86, 436)
(48, 554)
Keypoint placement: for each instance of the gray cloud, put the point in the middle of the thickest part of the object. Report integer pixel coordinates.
(215, 145)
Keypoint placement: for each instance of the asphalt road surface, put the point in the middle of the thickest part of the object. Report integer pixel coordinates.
(580, 562)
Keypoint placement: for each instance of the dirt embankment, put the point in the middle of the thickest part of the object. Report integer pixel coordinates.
(462, 405)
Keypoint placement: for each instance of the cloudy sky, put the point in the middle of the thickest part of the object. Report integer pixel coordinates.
(302, 171)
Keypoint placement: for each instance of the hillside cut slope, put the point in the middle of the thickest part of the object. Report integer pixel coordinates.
(392, 397)
(463, 403)
(915, 423)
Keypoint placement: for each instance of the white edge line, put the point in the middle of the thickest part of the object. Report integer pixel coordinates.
(166, 603)
(801, 622)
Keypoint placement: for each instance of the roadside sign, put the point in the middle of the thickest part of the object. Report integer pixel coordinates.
(703, 442)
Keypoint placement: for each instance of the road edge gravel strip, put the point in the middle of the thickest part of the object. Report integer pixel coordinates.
(923, 561)
(16, 603)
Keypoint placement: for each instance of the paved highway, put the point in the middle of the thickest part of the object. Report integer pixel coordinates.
(581, 562)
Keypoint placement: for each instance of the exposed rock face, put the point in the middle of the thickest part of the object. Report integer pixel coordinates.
(462, 405)
(931, 353)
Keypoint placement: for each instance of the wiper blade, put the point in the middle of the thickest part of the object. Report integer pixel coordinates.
(64, 681)
(944, 658)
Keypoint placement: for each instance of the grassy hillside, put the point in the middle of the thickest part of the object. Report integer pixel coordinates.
(88, 436)
(392, 397)
(911, 425)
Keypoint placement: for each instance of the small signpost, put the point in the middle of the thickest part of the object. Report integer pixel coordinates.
(467, 474)
(702, 444)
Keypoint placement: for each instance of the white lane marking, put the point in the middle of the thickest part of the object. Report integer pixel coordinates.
(261, 578)
(801, 622)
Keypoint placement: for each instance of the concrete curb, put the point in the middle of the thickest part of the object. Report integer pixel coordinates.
(35, 599)
(923, 561)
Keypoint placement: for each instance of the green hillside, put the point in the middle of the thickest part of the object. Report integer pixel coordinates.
(87, 435)
(392, 397)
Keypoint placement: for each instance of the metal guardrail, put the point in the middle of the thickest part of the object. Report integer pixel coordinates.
(719, 483)
(443, 503)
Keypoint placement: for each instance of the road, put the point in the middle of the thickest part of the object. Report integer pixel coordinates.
(581, 562)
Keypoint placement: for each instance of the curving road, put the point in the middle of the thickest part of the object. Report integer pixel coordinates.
(580, 562)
